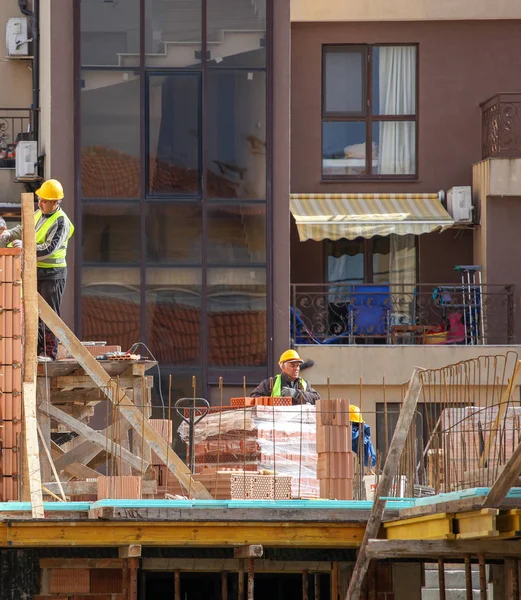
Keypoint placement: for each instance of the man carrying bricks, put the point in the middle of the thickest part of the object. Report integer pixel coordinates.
(288, 383)
(53, 232)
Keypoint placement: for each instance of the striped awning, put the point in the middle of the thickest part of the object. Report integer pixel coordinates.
(336, 216)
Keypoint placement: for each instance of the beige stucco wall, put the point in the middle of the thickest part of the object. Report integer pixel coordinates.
(403, 10)
(15, 92)
(358, 372)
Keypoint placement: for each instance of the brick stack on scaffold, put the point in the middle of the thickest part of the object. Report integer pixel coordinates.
(336, 459)
(10, 372)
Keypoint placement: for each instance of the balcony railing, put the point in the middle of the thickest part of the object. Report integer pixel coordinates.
(16, 124)
(501, 126)
(402, 314)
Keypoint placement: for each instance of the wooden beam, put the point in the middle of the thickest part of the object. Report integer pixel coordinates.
(505, 481)
(419, 549)
(86, 384)
(384, 485)
(94, 436)
(90, 488)
(81, 563)
(132, 551)
(498, 422)
(125, 405)
(49, 458)
(253, 551)
(31, 476)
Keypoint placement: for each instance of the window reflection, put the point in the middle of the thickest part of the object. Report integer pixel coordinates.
(236, 140)
(237, 234)
(110, 300)
(173, 316)
(174, 134)
(107, 229)
(237, 332)
(110, 143)
(173, 233)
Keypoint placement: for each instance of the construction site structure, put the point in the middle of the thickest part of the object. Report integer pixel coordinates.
(97, 501)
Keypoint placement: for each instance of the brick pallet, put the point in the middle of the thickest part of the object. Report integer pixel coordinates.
(10, 372)
(336, 460)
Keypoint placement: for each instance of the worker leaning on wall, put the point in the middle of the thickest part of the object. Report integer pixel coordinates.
(54, 229)
(288, 382)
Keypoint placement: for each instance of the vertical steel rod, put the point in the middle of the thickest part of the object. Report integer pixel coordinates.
(482, 578)
(317, 586)
(240, 587)
(251, 578)
(224, 585)
(177, 584)
(468, 578)
(441, 578)
(305, 585)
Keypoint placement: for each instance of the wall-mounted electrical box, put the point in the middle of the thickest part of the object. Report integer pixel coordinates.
(17, 39)
(26, 159)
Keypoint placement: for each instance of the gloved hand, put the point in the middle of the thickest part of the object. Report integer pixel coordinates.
(17, 244)
(287, 391)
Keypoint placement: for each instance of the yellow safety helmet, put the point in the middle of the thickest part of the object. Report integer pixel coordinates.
(290, 355)
(355, 416)
(51, 190)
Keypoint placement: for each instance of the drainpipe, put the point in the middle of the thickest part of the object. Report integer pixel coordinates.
(34, 21)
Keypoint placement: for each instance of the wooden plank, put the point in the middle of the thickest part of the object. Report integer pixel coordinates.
(94, 436)
(49, 458)
(252, 551)
(230, 565)
(498, 423)
(505, 481)
(31, 476)
(86, 383)
(90, 488)
(81, 563)
(118, 397)
(385, 549)
(384, 485)
(43, 394)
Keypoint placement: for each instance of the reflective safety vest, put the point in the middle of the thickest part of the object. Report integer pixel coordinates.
(57, 258)
(276, 392)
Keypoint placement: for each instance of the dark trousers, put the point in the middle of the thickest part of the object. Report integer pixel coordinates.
(51, 290)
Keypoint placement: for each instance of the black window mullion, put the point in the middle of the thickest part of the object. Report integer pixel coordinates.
(369, 108)
(204, 200)
(143, 168)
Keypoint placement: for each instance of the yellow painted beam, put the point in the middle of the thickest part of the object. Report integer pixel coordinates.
(476, 524)
(508, 524)
(110, 533)
(429, 527)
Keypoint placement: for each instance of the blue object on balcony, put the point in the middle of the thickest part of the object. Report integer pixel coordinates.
(369, 310)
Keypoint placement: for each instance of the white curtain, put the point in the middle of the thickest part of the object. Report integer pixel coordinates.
(397, 92)
(402, 277)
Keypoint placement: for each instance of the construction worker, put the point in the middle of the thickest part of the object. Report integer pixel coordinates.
(359, 426)
(288, 383)
(53, 232)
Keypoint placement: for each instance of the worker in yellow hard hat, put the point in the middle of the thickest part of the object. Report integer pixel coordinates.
(288, 382)
(360, 429)
(53, 232)
(355, 415)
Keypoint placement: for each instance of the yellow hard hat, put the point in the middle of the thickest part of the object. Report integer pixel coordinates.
(290, 355)
(51, 190)
(355, 416)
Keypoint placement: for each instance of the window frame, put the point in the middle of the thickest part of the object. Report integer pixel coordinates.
(366, 115)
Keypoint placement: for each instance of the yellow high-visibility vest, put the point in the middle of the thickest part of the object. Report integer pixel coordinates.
(57, 258)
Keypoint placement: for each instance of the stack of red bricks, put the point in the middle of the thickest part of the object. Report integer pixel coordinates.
(264, 435)
(10, 372)
(336, 460)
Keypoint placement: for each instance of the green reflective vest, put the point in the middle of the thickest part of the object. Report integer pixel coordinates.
(57, 258)
(276, 392)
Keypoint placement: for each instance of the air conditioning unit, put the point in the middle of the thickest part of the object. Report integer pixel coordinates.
(17, 40)
(26, 159)
(459, 204)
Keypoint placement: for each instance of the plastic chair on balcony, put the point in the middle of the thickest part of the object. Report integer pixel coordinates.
(369, 312)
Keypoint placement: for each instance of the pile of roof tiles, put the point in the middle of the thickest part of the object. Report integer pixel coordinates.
(10, 372)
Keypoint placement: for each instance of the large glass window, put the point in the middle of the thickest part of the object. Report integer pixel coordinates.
(174, 134)
(110, 32)
(236, 135)
(369, 112)
(110, 140)
(174, 182)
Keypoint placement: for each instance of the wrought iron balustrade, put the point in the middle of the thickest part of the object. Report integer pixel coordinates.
(501, 126)
(402, 314)
(16, 125)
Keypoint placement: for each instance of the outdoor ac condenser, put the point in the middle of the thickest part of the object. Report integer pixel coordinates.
(17, 40)
(26, 159)
(459, 204)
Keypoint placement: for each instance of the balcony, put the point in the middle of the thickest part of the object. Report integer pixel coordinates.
(402, 314)
(501, 126)
(16, 124)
